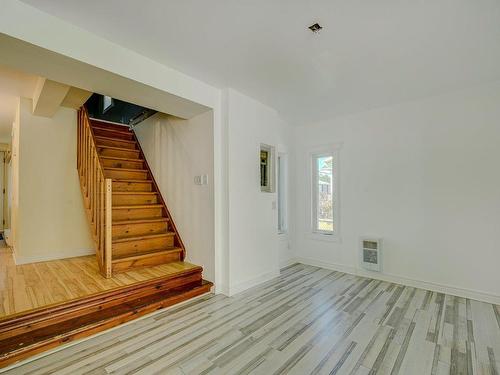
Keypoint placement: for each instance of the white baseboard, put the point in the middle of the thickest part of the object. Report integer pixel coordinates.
(53, 256)
(435, 287)
(247, 284)
(288, 262)
(222, 289)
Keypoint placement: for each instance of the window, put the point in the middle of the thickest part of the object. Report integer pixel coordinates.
(107, 103)
(282, 194)
(324, 194)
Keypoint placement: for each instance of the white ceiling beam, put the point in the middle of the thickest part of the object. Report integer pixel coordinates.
(48, 96)
(76, 98)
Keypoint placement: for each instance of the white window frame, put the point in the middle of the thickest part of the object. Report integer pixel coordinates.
(283, 189)
(321, 151)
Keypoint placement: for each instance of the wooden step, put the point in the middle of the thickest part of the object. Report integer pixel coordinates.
(123, 198)
(113, 142)
(139, 211)
(131, 246)
(132, 185)
(109, 126)
(111, 162)
(118, 151)
(143, 227)
(126, 174)
(110, 133)
(146, 259)
(33, 332)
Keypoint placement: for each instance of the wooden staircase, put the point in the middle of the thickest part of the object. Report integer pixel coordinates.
(130, 222)
(131, 228)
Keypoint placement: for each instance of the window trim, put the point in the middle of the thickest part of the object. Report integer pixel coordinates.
(313, 154)
(284, 189)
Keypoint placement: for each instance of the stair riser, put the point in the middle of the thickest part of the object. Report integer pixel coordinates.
(109, 125)
(131, 248)
(139, 229)
(117, 153)
(110, 163)
(147, 262)
(125, 199)
(31, 320)
(136, 213)
(132, 186)
(116, 143)
(106, 133)
(126, 175)
(85, 327)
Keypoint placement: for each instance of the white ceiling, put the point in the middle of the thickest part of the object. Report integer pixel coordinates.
(371, 53)
(12, 85)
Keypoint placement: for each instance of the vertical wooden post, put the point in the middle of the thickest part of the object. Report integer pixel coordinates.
(102, 245)
(109, 228)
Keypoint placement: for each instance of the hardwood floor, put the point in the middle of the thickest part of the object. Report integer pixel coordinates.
(30, 286)
(307, 321)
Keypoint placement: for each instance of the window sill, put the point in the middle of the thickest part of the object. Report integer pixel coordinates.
(317, 236)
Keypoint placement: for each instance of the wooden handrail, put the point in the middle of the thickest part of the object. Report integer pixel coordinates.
(97, 192)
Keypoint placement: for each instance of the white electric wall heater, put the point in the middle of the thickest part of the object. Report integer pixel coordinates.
(371, 253)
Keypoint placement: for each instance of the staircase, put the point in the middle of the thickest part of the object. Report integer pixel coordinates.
(131, 228)
(130, 222)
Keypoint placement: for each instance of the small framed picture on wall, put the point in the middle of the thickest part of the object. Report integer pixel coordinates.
(266, 168)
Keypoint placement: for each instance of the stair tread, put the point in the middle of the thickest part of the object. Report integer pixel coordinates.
(110, 127)
(114, 139)
(123, 132)
(151, 205)
(119, 148)
(125, 169)
(135, 192)
(119, 158)
(143, 237)
(46, 329)
(140, 221)
(131, 180)
(146, 254)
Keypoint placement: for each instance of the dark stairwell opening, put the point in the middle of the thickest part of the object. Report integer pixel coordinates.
(101, 107)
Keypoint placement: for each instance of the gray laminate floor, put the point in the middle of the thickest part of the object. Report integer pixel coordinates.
(307, 321)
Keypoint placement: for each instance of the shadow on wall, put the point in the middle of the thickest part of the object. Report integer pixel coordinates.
(179, 153)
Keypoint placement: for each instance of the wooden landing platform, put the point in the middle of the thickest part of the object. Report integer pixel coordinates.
(71, 305)
(35, 285)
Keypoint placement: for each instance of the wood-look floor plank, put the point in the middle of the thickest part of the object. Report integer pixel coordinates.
(306, 321)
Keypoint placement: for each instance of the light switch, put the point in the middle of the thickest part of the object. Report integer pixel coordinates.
(201, 180)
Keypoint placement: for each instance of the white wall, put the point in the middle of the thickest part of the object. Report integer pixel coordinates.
(254, 244)
(178, 150)
(49, 220)
(152, 83)
(423, 176)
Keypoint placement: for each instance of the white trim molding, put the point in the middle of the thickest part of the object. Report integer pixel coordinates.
(434, 287)
(18, 260)
(254, 281)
